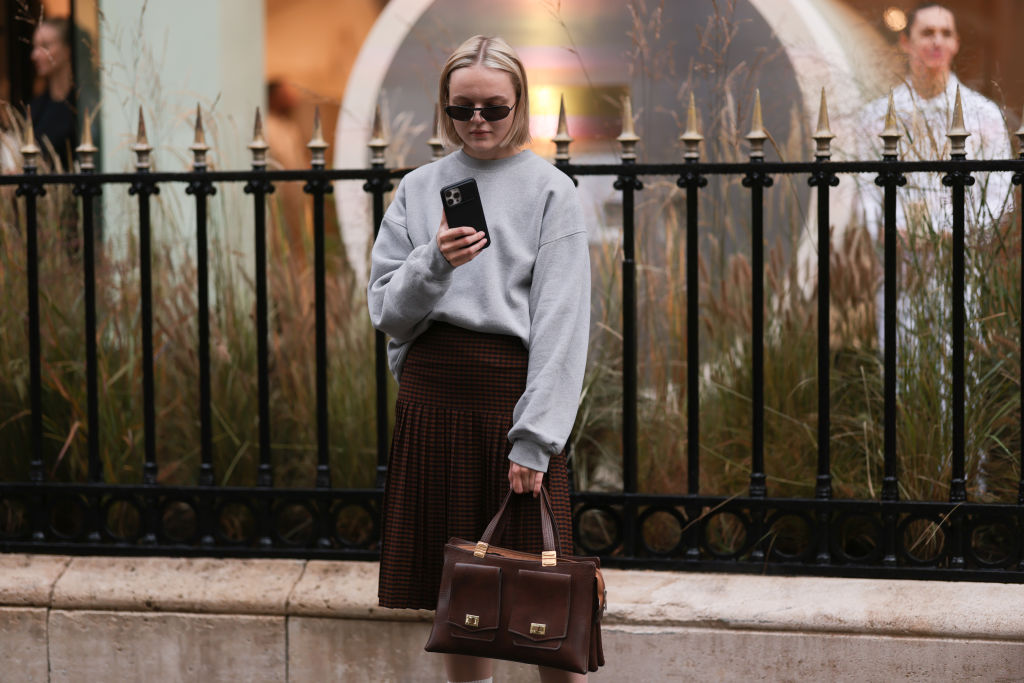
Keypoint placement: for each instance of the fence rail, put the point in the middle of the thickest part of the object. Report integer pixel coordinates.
(822, 535)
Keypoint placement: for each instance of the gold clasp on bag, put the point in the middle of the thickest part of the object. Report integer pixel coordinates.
(538, 629)
(547, 558)
(481, 549)
(472, 620)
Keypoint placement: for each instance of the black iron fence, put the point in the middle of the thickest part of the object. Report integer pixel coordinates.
(833, 537)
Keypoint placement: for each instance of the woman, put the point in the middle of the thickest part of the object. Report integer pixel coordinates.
(488, 338)
(53, 115)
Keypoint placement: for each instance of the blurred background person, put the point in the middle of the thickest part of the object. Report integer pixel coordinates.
(923, 104)
(53, 111)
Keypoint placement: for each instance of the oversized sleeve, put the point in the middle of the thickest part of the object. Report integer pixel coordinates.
(406, 280)
(991, 192)
(559, 332)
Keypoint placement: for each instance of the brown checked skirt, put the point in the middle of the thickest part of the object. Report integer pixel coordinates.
(448, 467)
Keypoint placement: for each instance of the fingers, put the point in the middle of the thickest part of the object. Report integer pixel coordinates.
(513, 478)
(459, 245)
(525, 480)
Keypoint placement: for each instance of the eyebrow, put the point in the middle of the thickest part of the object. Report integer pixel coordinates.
(499, 99)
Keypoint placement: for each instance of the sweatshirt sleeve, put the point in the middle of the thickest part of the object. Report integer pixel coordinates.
(559, 332)
(406, 280)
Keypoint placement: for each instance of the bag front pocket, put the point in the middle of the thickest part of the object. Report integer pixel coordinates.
(540, 615)
(475, 602)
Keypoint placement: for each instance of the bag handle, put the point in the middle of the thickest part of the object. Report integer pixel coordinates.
(549, 534)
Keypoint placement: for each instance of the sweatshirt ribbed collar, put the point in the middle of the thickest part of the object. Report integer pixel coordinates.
(492, 165)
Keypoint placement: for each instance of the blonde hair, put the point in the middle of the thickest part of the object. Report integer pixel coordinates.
(494, 53)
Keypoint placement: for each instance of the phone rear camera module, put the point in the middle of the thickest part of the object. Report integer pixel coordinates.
(453, 197)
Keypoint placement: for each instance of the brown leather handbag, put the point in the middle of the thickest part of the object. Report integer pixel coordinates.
(504, 604)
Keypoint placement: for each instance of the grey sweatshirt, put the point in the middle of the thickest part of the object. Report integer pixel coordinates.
(532, 282)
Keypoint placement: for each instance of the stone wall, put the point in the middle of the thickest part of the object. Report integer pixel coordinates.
(171, 619)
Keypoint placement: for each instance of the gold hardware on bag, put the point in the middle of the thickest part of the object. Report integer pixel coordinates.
(481, 549)
(472, 620)
(547, 558)
(538, 629)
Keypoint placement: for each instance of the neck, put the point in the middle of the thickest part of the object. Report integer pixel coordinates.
(60, 84)
(928, 82)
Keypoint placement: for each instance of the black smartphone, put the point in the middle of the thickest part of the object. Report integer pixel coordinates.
(462, 207)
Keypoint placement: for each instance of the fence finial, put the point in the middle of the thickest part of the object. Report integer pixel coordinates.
(436, 146)
(691, 137)
(86, 151)
(29, 151)
(823, 135)
(378, 142)
(891, 133)
(259, 145)
(199, 147)
(957, 133)
(562, 137)
(317, 145)
(142, 147)
(628, 138)
(757, 136)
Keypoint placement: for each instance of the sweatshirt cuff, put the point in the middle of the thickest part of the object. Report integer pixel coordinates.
(529, 454)
(439, 265)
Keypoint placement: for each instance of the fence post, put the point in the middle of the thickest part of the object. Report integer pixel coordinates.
(87, 191)
(757, 181)
(890, 179)
(318, 187)
(259, 188)
(958, 180)
(377, 185)
(627, 183)
(143, 187)
(201, 188)
(823, 178)
(692, 180)
(31, 191)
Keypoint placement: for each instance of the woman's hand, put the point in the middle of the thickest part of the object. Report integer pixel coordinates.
(524, 480)
(459, 245)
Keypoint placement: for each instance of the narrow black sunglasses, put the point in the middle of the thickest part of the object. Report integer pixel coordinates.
(495, 113)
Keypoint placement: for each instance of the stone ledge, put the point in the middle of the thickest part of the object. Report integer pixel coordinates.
(347, 590)
(162, 584)
(28, 580)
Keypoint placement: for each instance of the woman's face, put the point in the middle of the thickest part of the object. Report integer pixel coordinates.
(482, 86)
(49, 52)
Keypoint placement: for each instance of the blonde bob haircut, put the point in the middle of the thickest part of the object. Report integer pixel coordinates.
(494, 53)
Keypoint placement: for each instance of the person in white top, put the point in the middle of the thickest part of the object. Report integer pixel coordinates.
(923, 105)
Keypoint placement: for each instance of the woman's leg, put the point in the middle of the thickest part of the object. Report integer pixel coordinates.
(549, 675)
(466, 668)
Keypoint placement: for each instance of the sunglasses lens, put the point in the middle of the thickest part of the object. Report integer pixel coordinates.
(495, 113)
(459, 113)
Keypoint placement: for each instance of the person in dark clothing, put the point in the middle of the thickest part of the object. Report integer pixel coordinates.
(53, 115)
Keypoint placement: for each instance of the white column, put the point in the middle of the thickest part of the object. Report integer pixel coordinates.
(167, 57)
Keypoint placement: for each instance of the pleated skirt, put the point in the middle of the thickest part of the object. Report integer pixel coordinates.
(448, 465)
